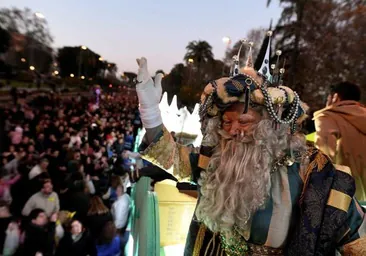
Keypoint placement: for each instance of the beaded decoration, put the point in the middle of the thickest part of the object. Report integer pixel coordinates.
(236, 246)
(282, 104)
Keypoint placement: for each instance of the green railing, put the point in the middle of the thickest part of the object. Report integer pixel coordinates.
(144, 221)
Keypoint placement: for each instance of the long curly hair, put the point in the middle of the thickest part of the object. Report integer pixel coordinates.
(237, 181)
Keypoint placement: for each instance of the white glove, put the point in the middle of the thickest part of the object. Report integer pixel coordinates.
(149, 94)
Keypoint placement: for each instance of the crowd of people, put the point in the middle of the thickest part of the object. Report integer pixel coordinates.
(67, 162)
(65, 186)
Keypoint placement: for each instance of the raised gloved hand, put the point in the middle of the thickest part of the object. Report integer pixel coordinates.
(149, 94)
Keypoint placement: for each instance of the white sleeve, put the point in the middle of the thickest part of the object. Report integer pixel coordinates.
(107, 195)
(12, 240)
(121, 209)
(91, 187)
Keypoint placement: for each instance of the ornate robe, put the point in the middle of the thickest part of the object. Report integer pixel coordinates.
(311, 213)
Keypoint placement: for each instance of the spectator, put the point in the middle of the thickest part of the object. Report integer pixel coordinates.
(341, 132)
(129, 141)
(121, 212)
(119, 146)
(6, 228)
(40, 151)
(98, 216)
(45, 199)
(39, 168)
(111, 194)
(109, 243)
(76, 242)
(39, 234)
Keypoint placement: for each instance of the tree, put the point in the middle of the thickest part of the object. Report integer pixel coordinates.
(4, 40)
(27, 23)
(177, 77)
(199, 51)
(31, 38)
(130, 77)
(75, 60)
(324, 42)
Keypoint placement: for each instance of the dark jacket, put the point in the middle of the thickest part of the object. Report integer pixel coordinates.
(97, 222)
(82, 247)
(39, 239)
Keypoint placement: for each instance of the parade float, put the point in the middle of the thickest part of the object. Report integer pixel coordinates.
(160, 218)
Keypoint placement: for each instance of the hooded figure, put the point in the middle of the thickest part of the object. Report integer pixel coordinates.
(341, 132)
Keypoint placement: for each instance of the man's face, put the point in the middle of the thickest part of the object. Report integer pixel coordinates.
(47, 188)
(236, 123)
(41, 219)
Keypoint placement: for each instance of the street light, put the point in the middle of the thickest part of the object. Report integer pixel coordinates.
(226, 40)
(72, 75)
(23, 60)
(190, 60)
(100, 59)
(84, 47)
(32, 68)
(56, 72)
(82, 77)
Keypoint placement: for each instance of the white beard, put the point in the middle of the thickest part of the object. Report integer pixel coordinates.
(238, 180)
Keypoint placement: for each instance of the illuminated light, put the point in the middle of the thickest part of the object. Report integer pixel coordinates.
(190, 60)
(110, 86)
(226, 40)
(39, 15)
(56, 72)
(84, 47)
(72, 75)
(100, 58)
(23, 60)
(32, 68)
(82, 77)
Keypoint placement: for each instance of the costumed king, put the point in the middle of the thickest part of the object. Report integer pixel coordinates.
(263, 191)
